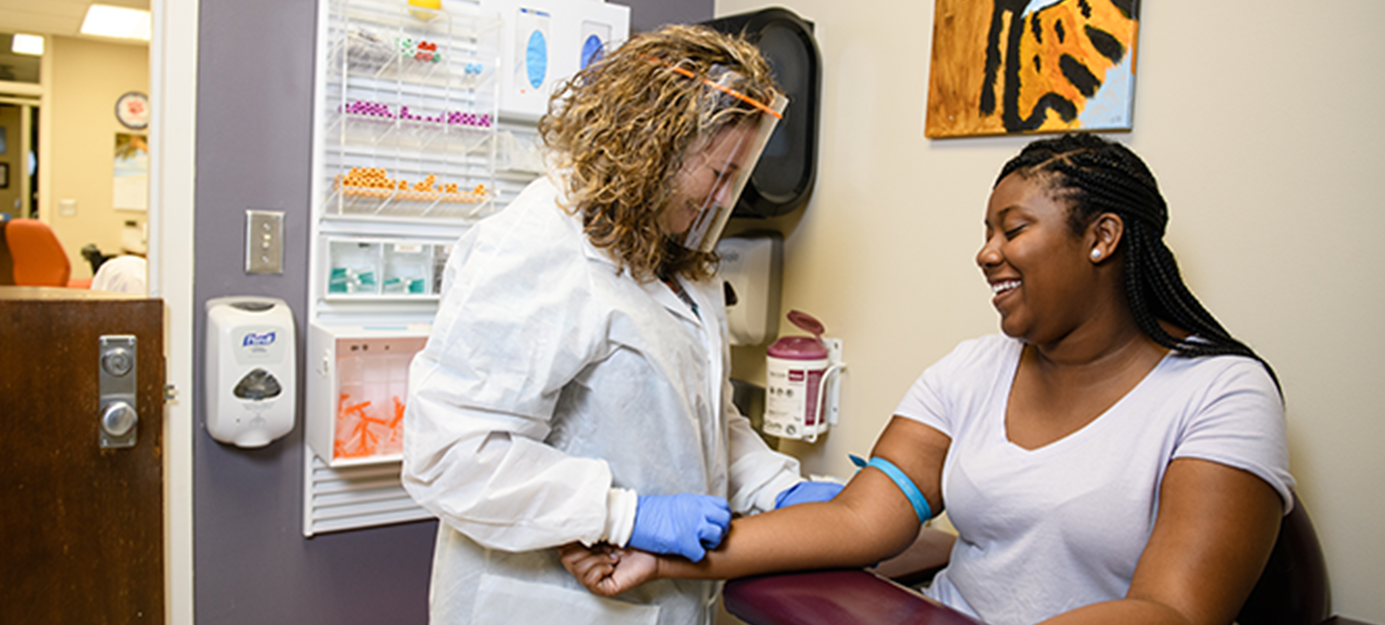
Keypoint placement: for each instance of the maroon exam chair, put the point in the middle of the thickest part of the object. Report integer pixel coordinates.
(1293, 589)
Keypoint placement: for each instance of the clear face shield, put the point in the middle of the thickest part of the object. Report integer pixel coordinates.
(716, 168)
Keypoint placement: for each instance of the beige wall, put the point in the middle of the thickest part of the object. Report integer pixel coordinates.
(1259, 122)
(12, 158)
(87, 78)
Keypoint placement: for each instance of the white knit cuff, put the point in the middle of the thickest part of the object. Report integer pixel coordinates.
(620, 516)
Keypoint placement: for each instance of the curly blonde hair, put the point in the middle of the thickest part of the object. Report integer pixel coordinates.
(621, 127)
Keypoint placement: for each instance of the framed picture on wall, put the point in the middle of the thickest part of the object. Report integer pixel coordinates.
(1029, 66)
(131, 186)
(4, 175)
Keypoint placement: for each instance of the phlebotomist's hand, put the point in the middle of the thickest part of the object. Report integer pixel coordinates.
(683, 524)
(807, 492)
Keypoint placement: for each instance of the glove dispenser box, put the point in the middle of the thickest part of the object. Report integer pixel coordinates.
(250, 370)
(358, 381)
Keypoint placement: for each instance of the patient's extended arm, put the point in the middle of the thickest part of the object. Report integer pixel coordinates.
(871, 511)
(1215, 528)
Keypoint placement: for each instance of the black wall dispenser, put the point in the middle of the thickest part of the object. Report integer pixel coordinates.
(783, 180)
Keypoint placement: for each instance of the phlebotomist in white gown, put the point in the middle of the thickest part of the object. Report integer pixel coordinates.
(574, 387)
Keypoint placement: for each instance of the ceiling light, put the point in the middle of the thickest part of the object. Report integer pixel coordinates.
(27, 44)
(103, 20)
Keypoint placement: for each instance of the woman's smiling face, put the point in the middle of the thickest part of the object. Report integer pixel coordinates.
(1038, 269)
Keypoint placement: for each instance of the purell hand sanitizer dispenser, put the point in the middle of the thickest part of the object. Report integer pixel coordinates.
(250, 370)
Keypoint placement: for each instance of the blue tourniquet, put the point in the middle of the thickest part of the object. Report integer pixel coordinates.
(911, 492)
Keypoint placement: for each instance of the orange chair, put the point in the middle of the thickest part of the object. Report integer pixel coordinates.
(39, 259)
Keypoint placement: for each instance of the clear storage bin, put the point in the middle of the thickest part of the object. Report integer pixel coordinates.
(357, 391)
(385, 268)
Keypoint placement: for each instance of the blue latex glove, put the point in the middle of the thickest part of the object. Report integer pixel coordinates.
(685, 524)
(807, 492)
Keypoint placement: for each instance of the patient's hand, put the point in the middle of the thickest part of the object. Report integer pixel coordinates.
(608, 571)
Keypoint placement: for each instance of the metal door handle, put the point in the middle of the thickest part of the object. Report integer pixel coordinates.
(118, 419)
(119, 414)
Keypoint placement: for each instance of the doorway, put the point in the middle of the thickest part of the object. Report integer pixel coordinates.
(19, 110)
(171, 64)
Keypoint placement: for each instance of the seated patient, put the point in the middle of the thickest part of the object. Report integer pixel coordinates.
(1115, 456)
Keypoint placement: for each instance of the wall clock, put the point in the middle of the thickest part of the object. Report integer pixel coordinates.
(132, 109)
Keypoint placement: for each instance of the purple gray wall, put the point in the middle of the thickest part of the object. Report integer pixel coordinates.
(254, 143)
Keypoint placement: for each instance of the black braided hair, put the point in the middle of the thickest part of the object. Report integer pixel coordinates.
(1098, 176)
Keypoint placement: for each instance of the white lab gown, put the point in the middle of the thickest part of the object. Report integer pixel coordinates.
(549, 379)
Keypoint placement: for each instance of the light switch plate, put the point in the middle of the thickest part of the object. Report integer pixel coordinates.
(264, 241)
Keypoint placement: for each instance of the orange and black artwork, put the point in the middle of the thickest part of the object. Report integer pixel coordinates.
(1025, 66)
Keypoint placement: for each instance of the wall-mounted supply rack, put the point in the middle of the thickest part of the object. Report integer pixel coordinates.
(409, 111)
(404, 162)
(415, 139)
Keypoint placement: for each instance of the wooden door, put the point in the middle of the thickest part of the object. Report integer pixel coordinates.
(82, 523)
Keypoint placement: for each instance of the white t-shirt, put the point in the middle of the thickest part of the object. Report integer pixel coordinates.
(1048, 530)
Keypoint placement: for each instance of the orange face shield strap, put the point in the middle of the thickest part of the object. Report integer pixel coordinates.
(719, 87)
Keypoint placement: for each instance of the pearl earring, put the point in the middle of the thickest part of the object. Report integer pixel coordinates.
(1096, 254)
